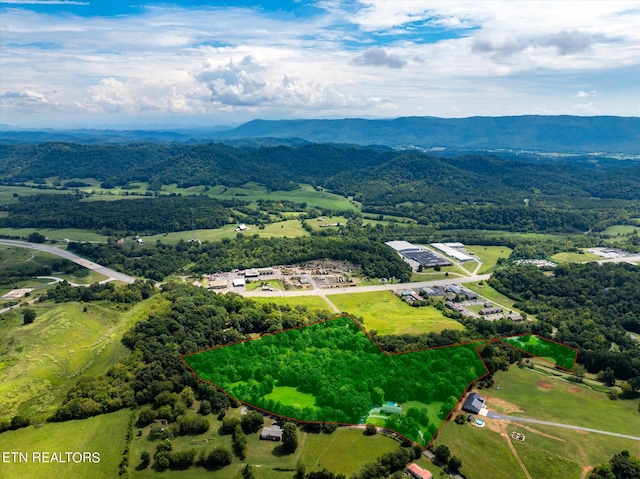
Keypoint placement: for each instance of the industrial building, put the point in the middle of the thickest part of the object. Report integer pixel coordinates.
(451, 249)
(418, 254)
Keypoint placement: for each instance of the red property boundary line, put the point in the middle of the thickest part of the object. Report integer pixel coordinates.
(482, 343)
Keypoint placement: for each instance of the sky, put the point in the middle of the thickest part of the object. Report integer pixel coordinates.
(111, 63)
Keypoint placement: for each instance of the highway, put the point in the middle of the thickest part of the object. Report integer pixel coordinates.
(114, 275)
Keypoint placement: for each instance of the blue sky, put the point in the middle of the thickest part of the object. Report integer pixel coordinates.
(111, 63)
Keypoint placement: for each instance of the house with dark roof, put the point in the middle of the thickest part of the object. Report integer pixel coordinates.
(473, 404)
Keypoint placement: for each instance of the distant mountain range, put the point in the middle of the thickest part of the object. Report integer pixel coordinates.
(561, 134)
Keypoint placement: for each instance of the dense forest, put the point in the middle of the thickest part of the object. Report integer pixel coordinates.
(590, 306)
(471, 191)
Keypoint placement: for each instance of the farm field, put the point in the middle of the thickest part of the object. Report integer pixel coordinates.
(103, 434)
(620, 230)
(384, 312)
(7, 193)
(489, 255)
(42, 360)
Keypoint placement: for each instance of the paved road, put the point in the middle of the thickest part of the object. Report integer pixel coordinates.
(71, 257)
(494, 415)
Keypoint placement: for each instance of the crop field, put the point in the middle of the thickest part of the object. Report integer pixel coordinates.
(489, 255)
(384, 312)
(103, 434)
(42, 360)
(255, 372)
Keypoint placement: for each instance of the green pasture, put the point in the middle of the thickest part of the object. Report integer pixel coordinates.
(7, 193)
(491, 294)
(344, 451)
(72, 234)
(41, 361)
(583, 257)
(254, 192)
(384, 312)
(620, 230)
(548, 398)
(287, 228)
(311, 302)
(291, 397)
(551, 351)
(489, 255)
(103, 434)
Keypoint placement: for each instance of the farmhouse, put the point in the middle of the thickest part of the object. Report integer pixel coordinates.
(473, 404)
(417, 472)
(241, 227)
(272, 433)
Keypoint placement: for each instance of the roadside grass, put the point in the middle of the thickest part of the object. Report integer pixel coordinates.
(484, 454)
(292, 397)
(447, 272)
(469, 266)
(72, 234)
(548, 398)
(384, 312)
(92, 277)
(103, 434)
(574, 257)
(42, 360)
(489, 255)
(311, 302)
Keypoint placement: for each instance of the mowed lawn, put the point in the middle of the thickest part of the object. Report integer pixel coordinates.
(384, 312)
(39, 362)
(574, 257)
(103, 434)
(292, 397)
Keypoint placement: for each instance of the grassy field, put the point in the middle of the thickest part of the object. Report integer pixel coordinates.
(59, 234)
(574, 257)
(41, 361)
(388, 314)
(489, 255)
(7, 193)
(292, 397)
(548, 451)
(102, 434)
(548, 398)
(92, 277)
(620, 230)
(288, 228)
(276, 284)
(311, 302)
(491, 294)
(447, 272)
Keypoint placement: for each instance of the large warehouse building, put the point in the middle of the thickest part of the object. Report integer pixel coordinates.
(418, 254)
(449, 250)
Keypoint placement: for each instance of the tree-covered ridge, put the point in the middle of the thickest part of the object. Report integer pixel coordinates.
(337, 364)
(592, 306)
